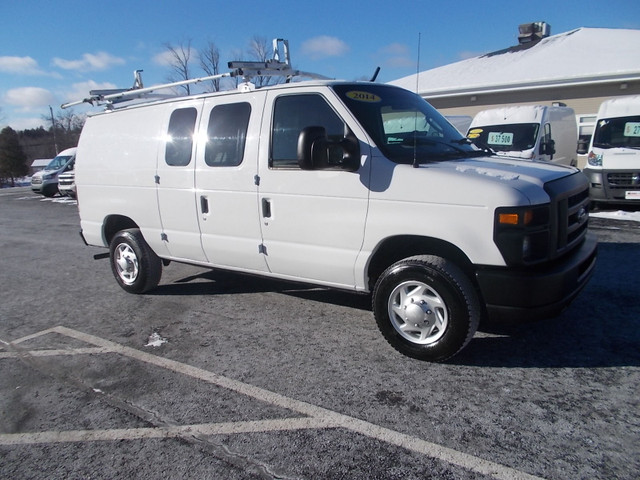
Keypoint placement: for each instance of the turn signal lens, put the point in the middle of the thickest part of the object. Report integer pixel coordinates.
(515, 218)
(509, 218)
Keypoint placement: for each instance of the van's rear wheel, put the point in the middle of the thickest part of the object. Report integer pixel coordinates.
(136, 267)
(426, 307)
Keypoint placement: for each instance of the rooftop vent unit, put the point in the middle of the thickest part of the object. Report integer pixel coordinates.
(533, 32)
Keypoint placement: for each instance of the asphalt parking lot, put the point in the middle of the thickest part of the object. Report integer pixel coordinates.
(218, 375)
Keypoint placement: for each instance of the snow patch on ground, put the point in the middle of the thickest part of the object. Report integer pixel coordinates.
(155, 340)
(617, 215)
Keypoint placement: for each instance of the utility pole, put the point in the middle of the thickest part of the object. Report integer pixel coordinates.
(53, 129)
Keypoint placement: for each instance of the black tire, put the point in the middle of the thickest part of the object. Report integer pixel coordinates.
(50, 190)
(136, 267)
(426, 308)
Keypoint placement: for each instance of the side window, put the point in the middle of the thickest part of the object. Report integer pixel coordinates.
(227, 134)
(180, 137)
(291, 114)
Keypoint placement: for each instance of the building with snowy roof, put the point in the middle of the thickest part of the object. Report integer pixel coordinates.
(580, 69)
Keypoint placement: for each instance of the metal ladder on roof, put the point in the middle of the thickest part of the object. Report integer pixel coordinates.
(278, 65)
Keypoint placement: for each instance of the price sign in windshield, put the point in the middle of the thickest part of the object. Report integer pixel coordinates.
(500, 138)
(632, 129)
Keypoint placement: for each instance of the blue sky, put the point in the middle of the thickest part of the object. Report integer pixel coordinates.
(56, 51)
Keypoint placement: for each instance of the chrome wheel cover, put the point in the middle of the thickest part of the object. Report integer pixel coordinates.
(418, 312)
(126, 263)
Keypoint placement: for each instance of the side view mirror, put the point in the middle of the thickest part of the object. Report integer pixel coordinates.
(548, 148)
(583, 147)
(317, 152)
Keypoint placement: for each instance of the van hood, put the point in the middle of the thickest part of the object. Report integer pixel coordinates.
(507, 169)
(482, 181)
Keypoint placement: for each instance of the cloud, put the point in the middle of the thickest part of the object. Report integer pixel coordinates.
(163, 59)
(396, 55)
(324, 46)
(89, 62)
(25, 123)
(20, 65)
(28, 98)
(81, 90)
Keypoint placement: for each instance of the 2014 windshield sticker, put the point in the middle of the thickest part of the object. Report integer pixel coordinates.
(362, 96)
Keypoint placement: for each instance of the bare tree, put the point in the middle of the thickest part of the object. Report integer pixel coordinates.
(260, 50)
(210, 63)
(180, 63)
(66, 128)
(70, 121)
(236, 54)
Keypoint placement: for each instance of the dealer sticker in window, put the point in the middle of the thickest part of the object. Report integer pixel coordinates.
(362, 96)
(500, 138)
(632, 129)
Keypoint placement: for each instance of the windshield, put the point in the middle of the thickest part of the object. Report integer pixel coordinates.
(58, 162)
(515, 137)
(617, 132)
(403, 125)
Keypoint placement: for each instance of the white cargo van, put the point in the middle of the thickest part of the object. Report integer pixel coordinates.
(351, 185)
(45, 181)
(532, 132)
(613, 163)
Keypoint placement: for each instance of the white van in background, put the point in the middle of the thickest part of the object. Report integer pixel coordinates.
(613, 163)
(45, 181)
(532, 132)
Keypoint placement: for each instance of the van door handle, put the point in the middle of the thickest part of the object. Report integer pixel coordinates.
(204, 204)
(266, 208)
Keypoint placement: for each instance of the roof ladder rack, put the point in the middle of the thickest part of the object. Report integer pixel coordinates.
(247, 70)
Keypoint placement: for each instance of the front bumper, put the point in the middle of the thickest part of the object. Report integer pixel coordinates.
(537, 292)
(614, 186)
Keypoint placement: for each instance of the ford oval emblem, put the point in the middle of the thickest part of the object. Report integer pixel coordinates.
(582, 215)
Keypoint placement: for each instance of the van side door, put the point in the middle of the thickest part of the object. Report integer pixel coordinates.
(312, 221)
(226, 184)
(175, 181)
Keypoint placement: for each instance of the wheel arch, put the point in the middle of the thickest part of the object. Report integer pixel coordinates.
(394, 249)
(113, 224)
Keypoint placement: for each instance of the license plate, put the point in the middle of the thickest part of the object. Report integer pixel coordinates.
(632, 195)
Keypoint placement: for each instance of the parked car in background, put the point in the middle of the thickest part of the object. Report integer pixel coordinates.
(67, 184)
(45, 182)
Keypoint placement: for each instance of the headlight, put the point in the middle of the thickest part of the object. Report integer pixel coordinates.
(522, 234)
(594, 159)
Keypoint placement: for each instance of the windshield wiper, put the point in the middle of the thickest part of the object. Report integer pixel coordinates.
(482, 146)
(421, 140)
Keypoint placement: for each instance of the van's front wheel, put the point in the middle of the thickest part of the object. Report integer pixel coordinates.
(136, 267)
(426, 307)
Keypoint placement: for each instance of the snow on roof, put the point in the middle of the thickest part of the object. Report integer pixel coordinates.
(581, 56)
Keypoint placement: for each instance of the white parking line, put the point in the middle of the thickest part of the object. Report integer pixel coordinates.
(315, 417)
